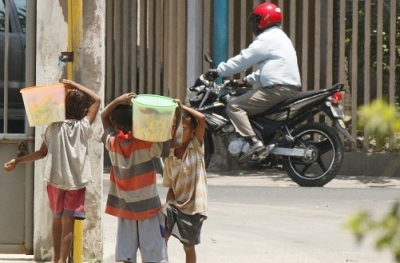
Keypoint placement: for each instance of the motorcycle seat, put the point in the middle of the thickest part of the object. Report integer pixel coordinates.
(302, 95)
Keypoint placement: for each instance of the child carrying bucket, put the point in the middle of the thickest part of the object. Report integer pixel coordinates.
(185, 176)
(67, 167)
(133, 196)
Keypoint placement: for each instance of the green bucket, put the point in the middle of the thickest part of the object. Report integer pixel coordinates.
(152, 117)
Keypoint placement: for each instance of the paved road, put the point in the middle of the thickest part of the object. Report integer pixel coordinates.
(255, 217)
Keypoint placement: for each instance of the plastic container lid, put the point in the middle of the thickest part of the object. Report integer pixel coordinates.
(151, 100)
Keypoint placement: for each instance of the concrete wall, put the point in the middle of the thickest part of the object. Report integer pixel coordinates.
(52, 35)
(371, 164)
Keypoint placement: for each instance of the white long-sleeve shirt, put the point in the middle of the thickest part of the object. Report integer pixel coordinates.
(275, 55)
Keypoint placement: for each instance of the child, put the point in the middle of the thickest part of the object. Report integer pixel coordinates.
(133, 196)
(185, 176)
(67, 168)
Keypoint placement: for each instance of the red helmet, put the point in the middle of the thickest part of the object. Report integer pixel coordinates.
(264, 16)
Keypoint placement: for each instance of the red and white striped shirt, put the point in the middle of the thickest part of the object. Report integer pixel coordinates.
(133, 192)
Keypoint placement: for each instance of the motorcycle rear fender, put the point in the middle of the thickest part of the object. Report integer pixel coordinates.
(336, 121)
(343, 130)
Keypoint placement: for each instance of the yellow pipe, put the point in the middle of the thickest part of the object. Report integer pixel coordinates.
(78, 242)
(70, 29)
(74, 42)
(77, 37)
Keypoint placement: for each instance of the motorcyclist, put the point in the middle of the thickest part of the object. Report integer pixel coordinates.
(278, 73)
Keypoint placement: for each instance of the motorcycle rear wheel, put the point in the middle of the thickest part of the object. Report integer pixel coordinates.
(327, 155)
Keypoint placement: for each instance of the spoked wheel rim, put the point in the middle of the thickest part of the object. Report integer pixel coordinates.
(320, 154)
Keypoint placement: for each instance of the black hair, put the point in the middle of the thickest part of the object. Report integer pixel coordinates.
(77, 104)
(122, 115)
(188, 117)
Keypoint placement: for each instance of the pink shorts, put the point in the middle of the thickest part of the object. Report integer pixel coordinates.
(66, 202)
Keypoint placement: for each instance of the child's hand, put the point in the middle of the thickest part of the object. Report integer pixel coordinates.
(178, 102)
(10, 165)
(69, 84)
(126, 99)
(178, 109)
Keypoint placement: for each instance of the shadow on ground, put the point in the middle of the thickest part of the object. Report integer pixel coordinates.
(280, 175)
(373, 181)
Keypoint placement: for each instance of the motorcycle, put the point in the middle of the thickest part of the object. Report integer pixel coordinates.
(310, 152)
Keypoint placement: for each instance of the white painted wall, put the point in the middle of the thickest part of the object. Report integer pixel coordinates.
(194, 41)
(52, 38)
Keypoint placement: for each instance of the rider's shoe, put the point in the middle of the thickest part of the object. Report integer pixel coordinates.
(258, 147)
(268, 149)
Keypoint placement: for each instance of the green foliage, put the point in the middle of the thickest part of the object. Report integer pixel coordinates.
(373, 34)
(379, 33)
(385, 230)
(380, 119)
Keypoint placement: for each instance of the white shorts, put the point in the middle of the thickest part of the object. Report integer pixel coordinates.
(146, 235)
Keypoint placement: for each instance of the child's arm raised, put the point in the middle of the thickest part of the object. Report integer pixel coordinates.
(201, 122)
(177, 131)
(94, 108)
(124, 99)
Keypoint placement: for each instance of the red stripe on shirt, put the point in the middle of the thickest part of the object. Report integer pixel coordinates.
(130, 215)
(135, 182)
(130, 148)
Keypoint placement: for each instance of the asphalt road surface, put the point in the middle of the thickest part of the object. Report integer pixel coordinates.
(258, 218)
(266, 217)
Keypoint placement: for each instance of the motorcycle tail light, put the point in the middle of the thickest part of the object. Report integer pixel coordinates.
(337, 97)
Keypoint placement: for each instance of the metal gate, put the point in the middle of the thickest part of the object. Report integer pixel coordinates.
(348, 41)
(17, 30)
(146, 47)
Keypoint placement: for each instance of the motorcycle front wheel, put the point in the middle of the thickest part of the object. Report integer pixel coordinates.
(324, 158)
(208, 148)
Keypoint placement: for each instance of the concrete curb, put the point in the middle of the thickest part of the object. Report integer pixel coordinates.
(371, 164)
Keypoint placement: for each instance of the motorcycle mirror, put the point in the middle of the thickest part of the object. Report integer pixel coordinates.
(208, 58)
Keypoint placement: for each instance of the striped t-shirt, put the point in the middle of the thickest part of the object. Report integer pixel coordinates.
(133, 192)
(188, 179)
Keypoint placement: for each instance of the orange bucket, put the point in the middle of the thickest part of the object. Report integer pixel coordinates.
(44, 104)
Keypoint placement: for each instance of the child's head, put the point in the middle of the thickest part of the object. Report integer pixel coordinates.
(189, 124)
(121, 117)
(77, 104)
